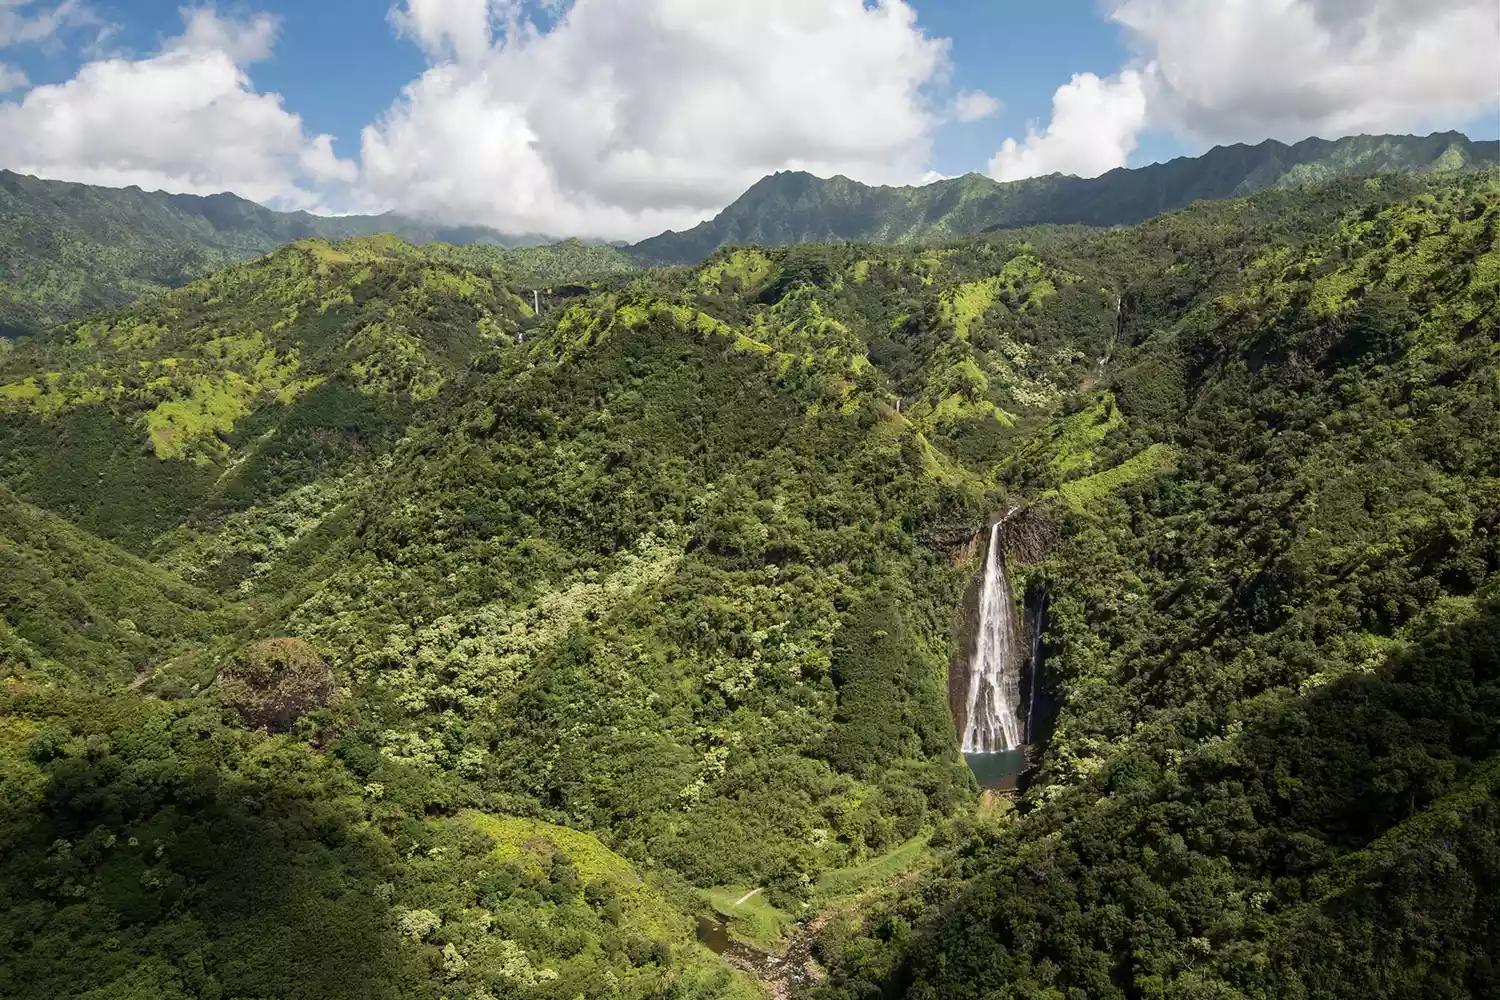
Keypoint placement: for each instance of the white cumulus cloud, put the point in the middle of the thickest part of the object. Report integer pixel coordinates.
(24, 23)
(623, 117)
(187, 120)
(1287, 69)
(1094, 127)
(973, 105)
(1248, 70)
(244, 42)
(448, 29)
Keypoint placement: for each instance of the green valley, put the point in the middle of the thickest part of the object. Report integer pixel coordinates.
(374, 628)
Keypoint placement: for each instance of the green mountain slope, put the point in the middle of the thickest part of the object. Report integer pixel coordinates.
(85, 613)
(264, 377)
(67, 250)
(655, 605)
(798, 207)
(1275, 654)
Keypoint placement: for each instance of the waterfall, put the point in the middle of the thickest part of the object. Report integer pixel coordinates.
(994, 684)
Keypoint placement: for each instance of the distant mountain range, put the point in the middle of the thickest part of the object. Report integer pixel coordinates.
(70, 249)
(797, 207)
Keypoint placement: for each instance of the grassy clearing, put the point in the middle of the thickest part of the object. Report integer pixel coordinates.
(750, 268)
(1079, 435)
(755, 921)
(1155, 460)
(527, 841)
(841, 883)
(968, 304)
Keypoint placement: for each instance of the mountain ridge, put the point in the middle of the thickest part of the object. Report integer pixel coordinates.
(216, 207)
(791, 206)
(68, 250)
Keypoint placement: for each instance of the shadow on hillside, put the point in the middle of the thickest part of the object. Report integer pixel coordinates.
(163, 859)
(1344, 843)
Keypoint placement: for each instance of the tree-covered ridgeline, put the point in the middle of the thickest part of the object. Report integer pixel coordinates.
(370, 635)
(797, 207)
(68, 251)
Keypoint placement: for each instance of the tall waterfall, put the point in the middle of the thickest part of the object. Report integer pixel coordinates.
(994, 669)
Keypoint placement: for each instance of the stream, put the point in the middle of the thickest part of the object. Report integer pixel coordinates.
(784, 974)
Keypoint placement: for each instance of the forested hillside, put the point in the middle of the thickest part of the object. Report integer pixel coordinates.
(1275, 645)
(366, 634)
(68, 250)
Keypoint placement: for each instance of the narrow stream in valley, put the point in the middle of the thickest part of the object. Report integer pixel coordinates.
(784, 974)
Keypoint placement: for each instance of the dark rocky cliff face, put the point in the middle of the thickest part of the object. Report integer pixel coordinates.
(1037, 695)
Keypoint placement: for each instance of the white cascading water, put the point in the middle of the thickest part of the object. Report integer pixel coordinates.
(994, 684)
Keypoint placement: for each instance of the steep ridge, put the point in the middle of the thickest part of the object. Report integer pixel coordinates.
(1273, 616)
(797, 207)
(81, 611)
(264, 377)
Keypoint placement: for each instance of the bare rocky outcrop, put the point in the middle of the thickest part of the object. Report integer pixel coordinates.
(1029, 535)
(271, 683)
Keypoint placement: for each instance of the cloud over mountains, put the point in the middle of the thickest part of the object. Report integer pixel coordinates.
(634, 116)
(1246, 70)
(620, 118)
(186, 119)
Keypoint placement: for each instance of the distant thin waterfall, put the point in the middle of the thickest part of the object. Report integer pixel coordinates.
(1034, 664)
(994, 680)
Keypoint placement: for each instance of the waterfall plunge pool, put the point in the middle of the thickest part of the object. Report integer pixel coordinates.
(714, 934)
(998, 771)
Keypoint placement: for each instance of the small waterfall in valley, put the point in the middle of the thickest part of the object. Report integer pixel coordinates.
(1034, 660)
(992, 724)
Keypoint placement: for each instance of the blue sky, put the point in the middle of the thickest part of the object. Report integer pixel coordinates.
(339, 64)
(1021, 52)
(616, 123)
